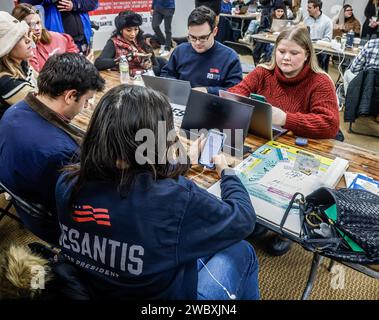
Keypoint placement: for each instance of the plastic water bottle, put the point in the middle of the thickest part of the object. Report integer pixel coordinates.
(124, 70)
(138, 79)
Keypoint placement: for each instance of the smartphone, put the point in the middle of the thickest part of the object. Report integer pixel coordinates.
(213, 145)
(257, 97)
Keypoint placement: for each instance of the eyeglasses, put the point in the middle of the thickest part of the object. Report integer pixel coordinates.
(201, 39)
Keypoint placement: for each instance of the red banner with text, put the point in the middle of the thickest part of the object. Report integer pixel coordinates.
(115, 6)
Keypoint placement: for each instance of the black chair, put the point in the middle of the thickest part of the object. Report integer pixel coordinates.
(32, 209)
(6, 211)
(362, 98)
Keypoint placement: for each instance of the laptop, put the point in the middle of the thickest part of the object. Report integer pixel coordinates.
(206, 111)
(178, 91)
(278, 25)
(261, 121)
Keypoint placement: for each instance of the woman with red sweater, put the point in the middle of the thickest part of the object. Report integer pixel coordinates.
(303, 96)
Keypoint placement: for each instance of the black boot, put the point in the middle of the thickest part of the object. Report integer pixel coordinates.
(258, 232)
(277, 246)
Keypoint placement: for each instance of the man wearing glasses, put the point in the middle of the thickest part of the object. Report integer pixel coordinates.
(207, 64)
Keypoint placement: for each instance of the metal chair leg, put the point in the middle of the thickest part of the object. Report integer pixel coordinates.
(331, 264)
(5, 212)
(317, 259)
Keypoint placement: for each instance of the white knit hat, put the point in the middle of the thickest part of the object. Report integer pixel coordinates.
(11, 32)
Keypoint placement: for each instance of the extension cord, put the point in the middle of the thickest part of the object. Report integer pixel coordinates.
(323, 43)
(336, 46)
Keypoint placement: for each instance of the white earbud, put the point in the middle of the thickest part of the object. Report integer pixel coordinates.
(231, 296)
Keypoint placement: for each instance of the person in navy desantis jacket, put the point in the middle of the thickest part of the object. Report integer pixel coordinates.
(69, 16)
(37, 140)
(207, 64)
(135, 227)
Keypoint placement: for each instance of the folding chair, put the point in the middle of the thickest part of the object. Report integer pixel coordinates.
(6, 211)
(33, 209)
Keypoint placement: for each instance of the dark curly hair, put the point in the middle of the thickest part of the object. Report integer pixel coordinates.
(68, 71)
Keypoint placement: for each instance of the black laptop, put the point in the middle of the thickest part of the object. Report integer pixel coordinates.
(206, 111)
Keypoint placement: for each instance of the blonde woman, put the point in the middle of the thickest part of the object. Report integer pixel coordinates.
(47, 42)
(297, 11)
(303, 95)
(16, 77)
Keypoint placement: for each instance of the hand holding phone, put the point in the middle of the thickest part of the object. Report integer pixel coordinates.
(220, 162)
(212, 147)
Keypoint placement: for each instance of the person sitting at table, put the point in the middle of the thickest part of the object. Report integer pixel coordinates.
(345, 21)
(207, 64)
(370, 27)
(238, 4)
(368, 58)
(163, 236)
(128, 40)
(302, 95)
(297, 11)
(320, 28)
(46, 42)
(36, 138)
(17, 79)
(262, 51)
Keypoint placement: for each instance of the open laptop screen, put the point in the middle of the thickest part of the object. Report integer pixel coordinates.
(261, 122)
(177, 91)
(206, 111)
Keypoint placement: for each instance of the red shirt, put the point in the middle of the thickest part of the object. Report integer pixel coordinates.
(309, 99)
(60, 43)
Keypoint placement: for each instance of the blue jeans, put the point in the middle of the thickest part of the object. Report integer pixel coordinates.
(234, 268)
(253, 26)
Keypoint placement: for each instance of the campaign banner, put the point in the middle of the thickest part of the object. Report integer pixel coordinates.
(116, 6)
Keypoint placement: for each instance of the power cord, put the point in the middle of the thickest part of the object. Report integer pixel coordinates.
(199, 174)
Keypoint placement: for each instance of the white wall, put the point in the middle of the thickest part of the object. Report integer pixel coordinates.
(6, 5)
(182, 11)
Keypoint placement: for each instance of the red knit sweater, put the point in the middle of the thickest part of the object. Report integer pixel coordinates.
(309, 99)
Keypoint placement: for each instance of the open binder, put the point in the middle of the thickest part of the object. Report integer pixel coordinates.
(275, 172)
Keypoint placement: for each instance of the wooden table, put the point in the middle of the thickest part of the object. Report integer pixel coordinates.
(360, 160)
(268, 37)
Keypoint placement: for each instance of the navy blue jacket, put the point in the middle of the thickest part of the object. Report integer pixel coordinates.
(163, 4)
(219, 68)
(226, 7)
(146, 245)
(32, 150)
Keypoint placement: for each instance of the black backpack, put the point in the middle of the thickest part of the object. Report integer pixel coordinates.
(355, 224)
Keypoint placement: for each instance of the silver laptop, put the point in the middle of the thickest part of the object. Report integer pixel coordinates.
(278, 25)
(178, 91)
(261, 121)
